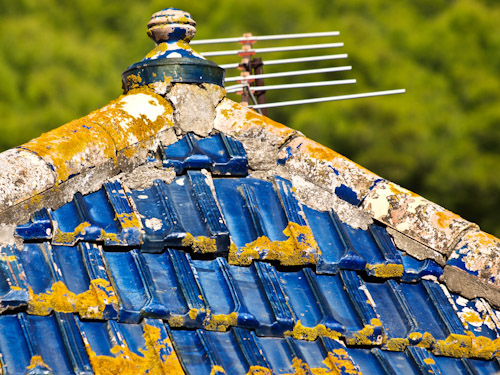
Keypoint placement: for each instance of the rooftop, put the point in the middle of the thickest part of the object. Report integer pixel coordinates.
(176, 231)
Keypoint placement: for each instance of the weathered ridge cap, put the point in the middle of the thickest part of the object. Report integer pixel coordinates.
(89, 150)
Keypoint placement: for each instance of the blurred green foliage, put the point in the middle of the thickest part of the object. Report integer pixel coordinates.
(60, 60)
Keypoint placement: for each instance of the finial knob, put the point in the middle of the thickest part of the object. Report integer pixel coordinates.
(171, 25)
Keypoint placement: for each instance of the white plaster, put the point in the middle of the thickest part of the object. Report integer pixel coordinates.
(139, 105)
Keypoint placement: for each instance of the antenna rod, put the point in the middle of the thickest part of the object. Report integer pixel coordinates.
(239, 87)
(265, 37)
(288, 74)
(292, 60)
(328, 99)
(272, 49)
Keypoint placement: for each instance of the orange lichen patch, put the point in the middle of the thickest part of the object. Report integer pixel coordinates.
(73, 147)
(105, 236)
(200, 244)
(385, 270)
(128, 220)
(89, 304)
(151, 362)
(37, 361)
(94, 139)
(193, 313)
(472, 317)
(414, 216)
(133, 81)
(175, 321)
(92, 303)
(134, 117)
(217, 370)
(339, 362)
(298, 249)
(397, 344)
(455, 346)
(258, 370)
(220, 322)
(426, 341)
(58, 298)
(300, 332)
(365, 336)
(158, 50)
(429, 361)
(69, 238)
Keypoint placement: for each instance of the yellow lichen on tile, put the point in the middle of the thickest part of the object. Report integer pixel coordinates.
(455, 346)
(128, 220)
(92, 303)
(300, 332)
(193, 313)
(299, 367)
(105, 236)
(299, 248)
(386, 270)
(58, 298)
(363, 337)
(429, 361)
(220, 322)
(217, 370)
(200, 244)
(37, 361)
(397, 344)
(89, 304)
(339, 362)
(427, 341)
(175, 321)
(258, 370)
(69, 238)
(126, 362)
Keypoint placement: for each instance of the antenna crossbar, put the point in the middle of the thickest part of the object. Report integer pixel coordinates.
(264, 37)
(327, 99)
(272, 49)
(239, 87)
(288, 74)
(292, 60)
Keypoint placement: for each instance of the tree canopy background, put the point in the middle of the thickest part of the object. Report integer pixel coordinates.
(59, 60)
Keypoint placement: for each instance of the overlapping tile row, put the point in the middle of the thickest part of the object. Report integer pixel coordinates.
(219, 154)
(240, 351)
(105, 216)
(128, 286)
(264, 219)
(63, 344)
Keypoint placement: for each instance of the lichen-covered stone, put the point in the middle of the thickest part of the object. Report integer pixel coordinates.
(476, 256)
(261, 137)
(327, 169)
(415, 216)
(24, 174)
(194, 106)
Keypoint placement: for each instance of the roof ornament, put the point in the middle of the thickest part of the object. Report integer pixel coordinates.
(172, 59)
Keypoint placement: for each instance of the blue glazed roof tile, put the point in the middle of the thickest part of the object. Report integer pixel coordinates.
(183, 213)
(220, 154)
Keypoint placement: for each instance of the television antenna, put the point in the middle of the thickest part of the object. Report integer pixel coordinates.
(250, 83)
